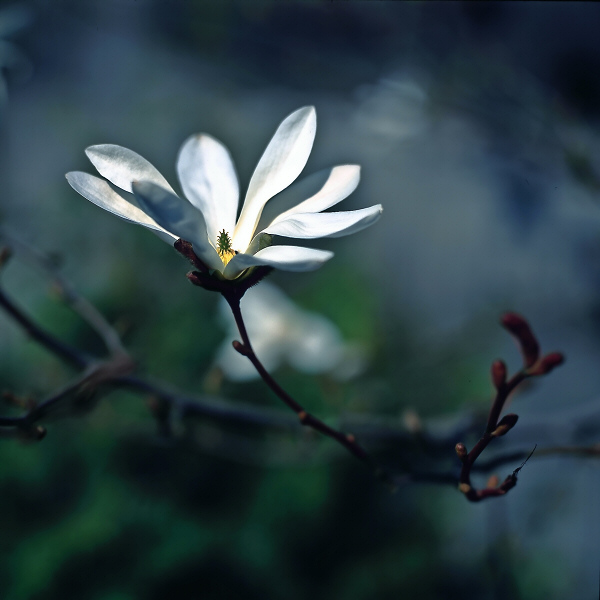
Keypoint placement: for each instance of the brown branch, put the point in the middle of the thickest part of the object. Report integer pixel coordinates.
(347, 440)
(102, 376)
(84, 386)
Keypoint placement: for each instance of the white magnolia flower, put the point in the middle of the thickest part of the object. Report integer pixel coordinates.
(208, 217)
(281, 332)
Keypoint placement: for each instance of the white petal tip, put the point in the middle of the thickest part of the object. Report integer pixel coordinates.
(95, 149)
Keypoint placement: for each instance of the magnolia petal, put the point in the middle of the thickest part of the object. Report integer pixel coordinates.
(286, 258)
(99, 192)
(322, 190)
(333, 224)
(281, 163)
(122, 166)
(208, 180)
(178, 216)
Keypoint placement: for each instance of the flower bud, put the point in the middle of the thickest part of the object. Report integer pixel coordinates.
(239, 347)
(186, 250)
(204, 280)
(461, 451)
(519, 327)
(548, 363)
(492, 482)
(507, 422)
(498, 373)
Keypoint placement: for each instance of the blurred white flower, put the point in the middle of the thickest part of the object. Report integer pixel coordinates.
(208, 217)
(281, 332)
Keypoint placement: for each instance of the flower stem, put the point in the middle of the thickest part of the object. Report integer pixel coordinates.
(347, 440)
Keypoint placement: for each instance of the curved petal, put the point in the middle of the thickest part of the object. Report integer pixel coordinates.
(122, 166)
(208, 180)
(333, 224)
(179, 217)
(98, 191)
(322, 190)
(286, 258)
(281, 163)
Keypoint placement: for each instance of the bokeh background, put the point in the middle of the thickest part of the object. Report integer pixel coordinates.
(476, 125)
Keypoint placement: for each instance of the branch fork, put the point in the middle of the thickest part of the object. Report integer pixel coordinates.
(533, 366)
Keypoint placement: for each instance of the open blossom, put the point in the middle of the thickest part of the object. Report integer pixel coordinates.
(207, 218)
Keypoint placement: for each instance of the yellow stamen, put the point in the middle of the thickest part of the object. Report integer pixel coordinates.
(224, 248)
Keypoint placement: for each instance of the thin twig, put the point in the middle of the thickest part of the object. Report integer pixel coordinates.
(80, 305)
(347, 440)
(69, 354)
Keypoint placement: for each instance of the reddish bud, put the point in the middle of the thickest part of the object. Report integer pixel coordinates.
(204, 280)
(507, 422)
(492, 482)
(498, 373)
(548, 363)
(186, 250)
(239, 347)
(519, 327)
(195, 278)
(461, 451)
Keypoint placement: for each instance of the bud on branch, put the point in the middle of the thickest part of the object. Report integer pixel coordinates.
(461, 451)
(186, 250)
(547, 364)
(518, 326)
(507, 422)
(499, 373)
(241, 348)
(492, 482)
(533, 366)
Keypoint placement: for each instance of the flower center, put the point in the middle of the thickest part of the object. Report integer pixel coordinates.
(226, 252)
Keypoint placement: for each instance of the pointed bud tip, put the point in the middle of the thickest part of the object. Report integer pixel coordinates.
(519, 327)
(193, 277)
(513, 320)
(554, 359)
(505, 425)
(548, 363)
